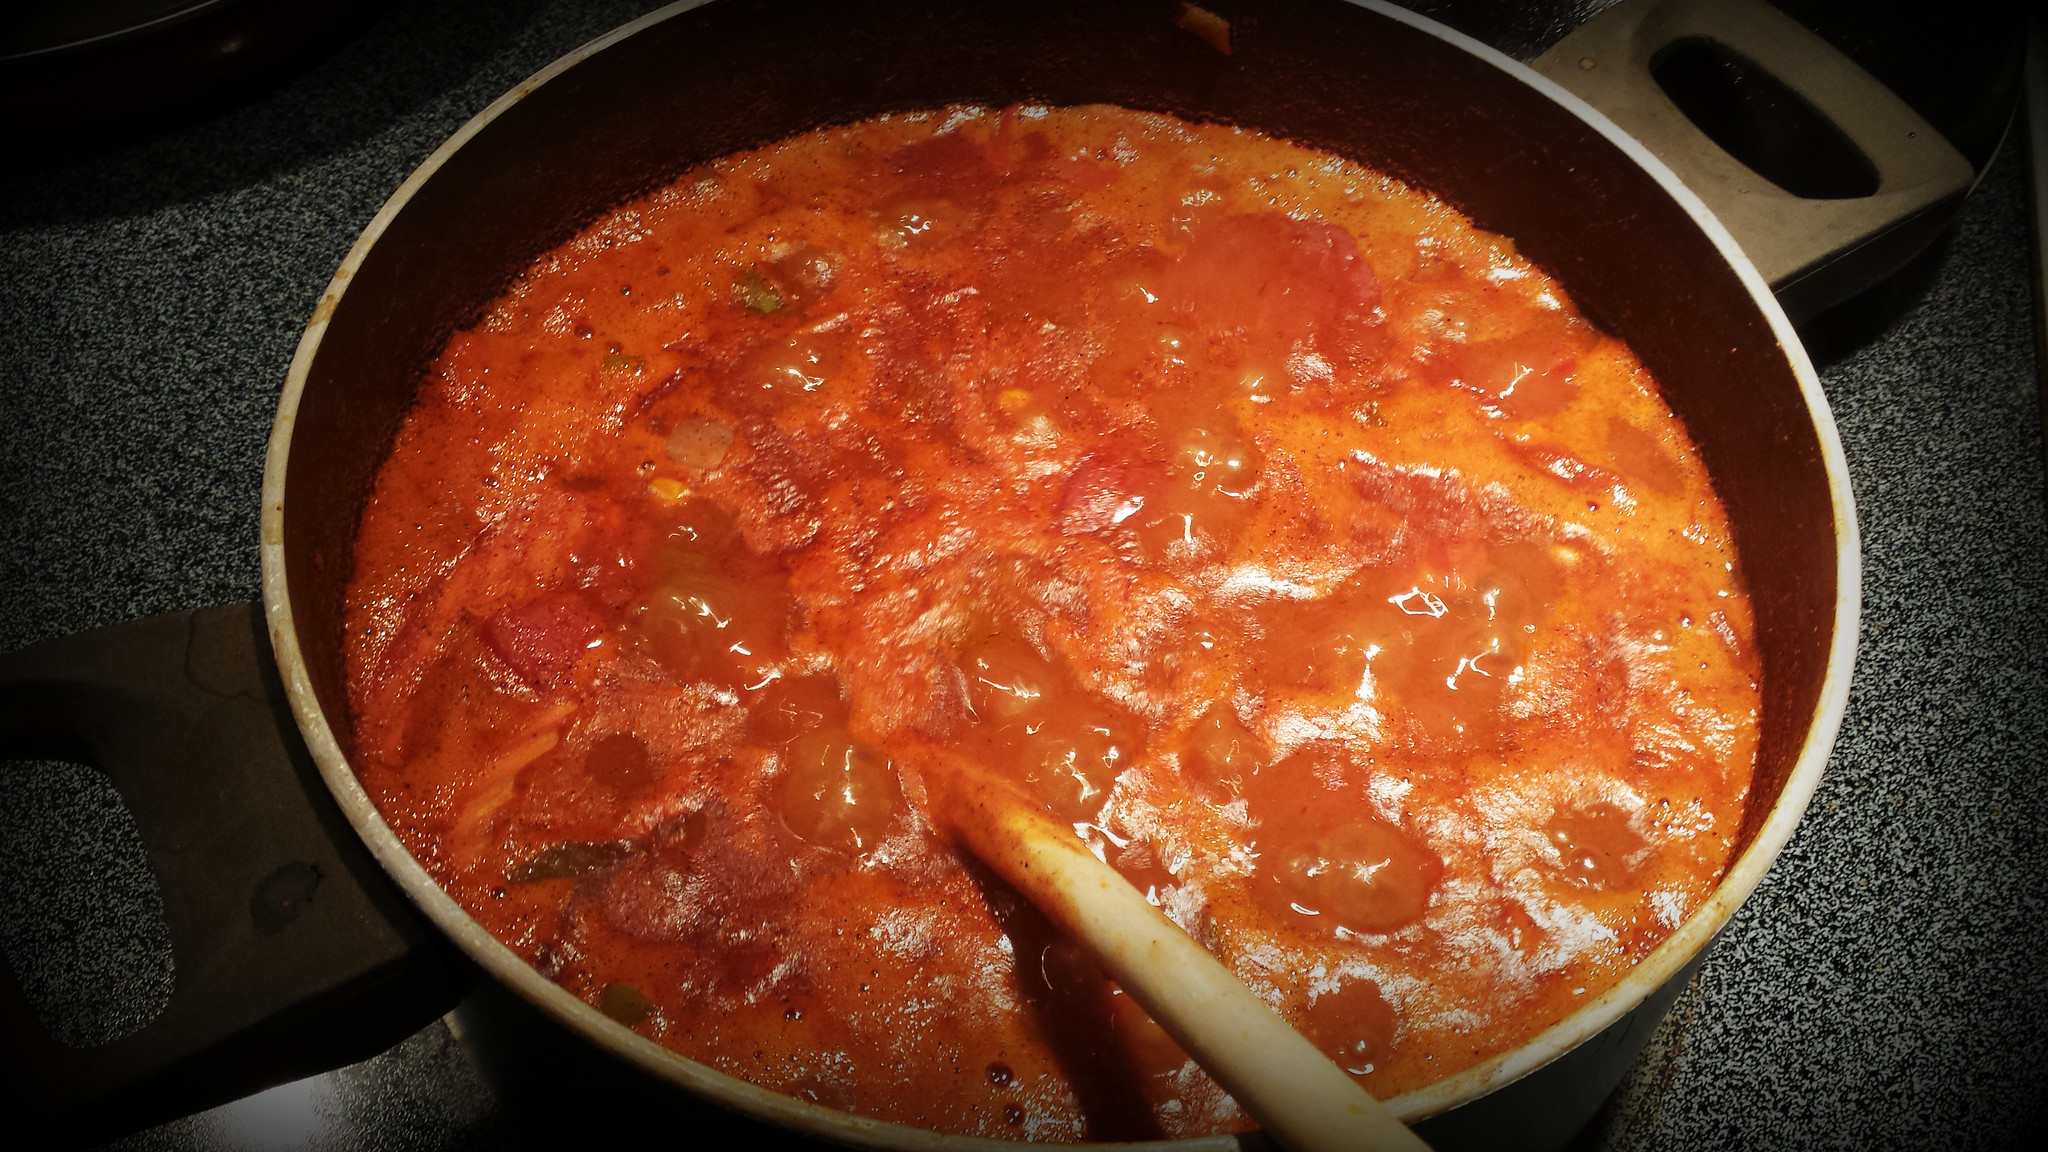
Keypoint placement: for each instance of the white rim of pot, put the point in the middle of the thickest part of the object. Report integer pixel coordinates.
(501, 962)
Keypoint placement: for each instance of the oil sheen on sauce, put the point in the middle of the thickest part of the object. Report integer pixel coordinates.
(1294, 541)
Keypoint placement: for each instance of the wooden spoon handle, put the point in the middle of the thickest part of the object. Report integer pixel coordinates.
(1296, 1094)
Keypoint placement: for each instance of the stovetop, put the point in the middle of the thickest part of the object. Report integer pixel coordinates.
(1888, 983)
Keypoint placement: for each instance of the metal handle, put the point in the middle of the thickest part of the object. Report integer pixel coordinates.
(1814, 253)
(294, 954)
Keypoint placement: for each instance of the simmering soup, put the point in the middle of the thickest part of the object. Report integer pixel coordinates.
(1291, 539)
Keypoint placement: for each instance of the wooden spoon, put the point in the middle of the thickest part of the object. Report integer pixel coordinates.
(1297, 1094)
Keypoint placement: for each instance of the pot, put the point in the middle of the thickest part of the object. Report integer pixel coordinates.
(101, 67)
(306, 935)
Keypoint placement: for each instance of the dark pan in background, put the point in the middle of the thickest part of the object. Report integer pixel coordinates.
(81, 70)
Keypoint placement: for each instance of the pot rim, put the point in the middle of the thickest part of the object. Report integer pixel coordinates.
(1691, 937)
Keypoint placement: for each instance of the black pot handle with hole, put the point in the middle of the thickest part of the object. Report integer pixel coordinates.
(294, 953)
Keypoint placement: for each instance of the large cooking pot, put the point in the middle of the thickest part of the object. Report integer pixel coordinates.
(296, 952)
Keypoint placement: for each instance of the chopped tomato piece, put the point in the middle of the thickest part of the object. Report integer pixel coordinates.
(543, 639)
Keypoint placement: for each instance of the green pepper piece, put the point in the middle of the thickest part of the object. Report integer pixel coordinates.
(756, 292)
(625, 1003)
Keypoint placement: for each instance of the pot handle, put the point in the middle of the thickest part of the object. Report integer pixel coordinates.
(294, 952)
(1814, 252)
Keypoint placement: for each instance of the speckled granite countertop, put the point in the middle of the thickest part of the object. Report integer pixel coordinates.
(1887, 986)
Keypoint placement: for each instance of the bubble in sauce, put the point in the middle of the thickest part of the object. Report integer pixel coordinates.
(715, 628)
(1353, 1025)
(1322, 859)
(1078, 755)
(782, 370)
(1365, 875)
(1597, 845)
(715, 611)
(1040, 729)
(1216, 455)
(788, 705)
(1192, 503)
(920, 222)
(1220, 753)
(700, 444)
(1007, 680)
(806, 273)
(1444, 651)
(1524, 376)
(1207, 497)
(835, 793)
(1106, 493)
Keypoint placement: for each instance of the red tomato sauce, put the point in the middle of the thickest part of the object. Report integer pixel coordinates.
(1293, 540)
